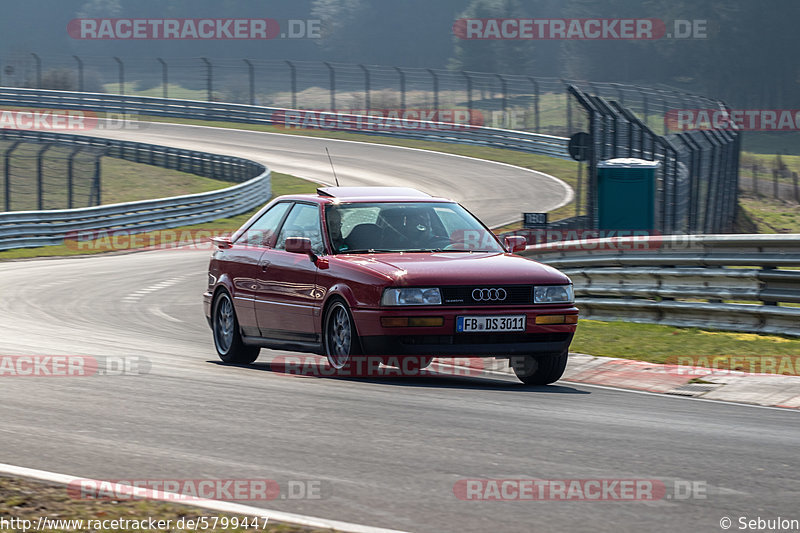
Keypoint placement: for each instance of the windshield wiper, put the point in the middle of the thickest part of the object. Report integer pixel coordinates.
(369, 251)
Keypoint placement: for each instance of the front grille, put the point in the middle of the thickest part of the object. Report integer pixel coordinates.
(463, 295)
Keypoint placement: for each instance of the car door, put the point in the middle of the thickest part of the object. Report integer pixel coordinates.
(243, 262)
(287, 299)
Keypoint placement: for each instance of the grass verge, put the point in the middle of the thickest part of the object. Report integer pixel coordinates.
(24, 499)
(661, 344)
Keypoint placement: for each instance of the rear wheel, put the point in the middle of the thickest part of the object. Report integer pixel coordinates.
(542, 369)
(340, 336)
(227, 338)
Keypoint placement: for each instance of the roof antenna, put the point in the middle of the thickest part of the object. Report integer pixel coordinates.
(333, 169)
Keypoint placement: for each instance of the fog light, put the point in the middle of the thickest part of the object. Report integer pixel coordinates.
(550, 319)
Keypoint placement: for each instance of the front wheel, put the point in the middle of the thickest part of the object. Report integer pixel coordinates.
(340, 336)
(227, 338)
(543, 369)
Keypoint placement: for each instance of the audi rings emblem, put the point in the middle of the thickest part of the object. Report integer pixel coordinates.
(489, 295)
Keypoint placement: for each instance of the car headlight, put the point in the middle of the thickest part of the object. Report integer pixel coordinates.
(553, 294)
(411, 296)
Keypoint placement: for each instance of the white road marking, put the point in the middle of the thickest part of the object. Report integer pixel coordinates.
(214, 505)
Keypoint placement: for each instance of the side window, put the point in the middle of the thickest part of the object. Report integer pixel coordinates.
(303, 221)
(262, 230)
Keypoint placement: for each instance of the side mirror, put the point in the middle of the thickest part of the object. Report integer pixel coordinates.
(298, 245)
(516, 243)
(222, 243)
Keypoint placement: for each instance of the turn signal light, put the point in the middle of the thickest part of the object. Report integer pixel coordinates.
(557, 319)
(412, 321)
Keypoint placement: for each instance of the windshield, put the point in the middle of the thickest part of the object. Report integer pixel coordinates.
(406, 227)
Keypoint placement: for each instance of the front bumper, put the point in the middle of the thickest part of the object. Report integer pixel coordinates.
(445, 341)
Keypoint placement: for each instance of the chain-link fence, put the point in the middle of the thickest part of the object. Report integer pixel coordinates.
(510, 101)
(37, 176)
(699, 173)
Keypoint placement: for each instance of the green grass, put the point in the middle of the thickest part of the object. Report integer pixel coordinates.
(662, 344)
(770, 215)
(281, 184)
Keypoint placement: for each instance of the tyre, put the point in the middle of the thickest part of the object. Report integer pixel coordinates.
(542, 369)
(227, 337)
(340, 338)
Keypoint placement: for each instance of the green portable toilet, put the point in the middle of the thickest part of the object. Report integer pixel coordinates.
(626, 194)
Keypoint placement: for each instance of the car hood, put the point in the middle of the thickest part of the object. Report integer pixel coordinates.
(443, 268)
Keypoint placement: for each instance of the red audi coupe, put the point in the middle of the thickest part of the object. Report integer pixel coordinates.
(355, 272)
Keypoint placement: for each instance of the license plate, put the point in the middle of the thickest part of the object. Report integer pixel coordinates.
(469, 324)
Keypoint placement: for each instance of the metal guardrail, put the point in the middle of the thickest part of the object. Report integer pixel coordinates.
(685, 280)
(26, 229)
(249, 114)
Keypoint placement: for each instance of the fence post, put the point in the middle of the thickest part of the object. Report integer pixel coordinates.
(251, 80)
(121, 74)
(293, 80)
(39, 177)
(97, 183)
(164, 80)
(366, 87)
(435, 88)
(80, 73)
(8, 173)
(504, 89)
(796, 190)
(209, 80)
(332, 78)
(536, 102)
(469, 92)
(402, 87)
(775, 182)
(38, 61)
(70, 182)
(755, 178)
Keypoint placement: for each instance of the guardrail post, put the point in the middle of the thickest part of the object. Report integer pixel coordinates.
(39, 176)
(80, 73)
(209, 80)
(164, 79)
(38, 61)
(70, 169)
(251, 80)
(332, 80)
(435, 88)
(402, 87)
(8, 174)
(366, 87)
(293, 80)
(121, 74)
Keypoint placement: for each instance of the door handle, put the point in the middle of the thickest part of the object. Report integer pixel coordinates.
(264, 265)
